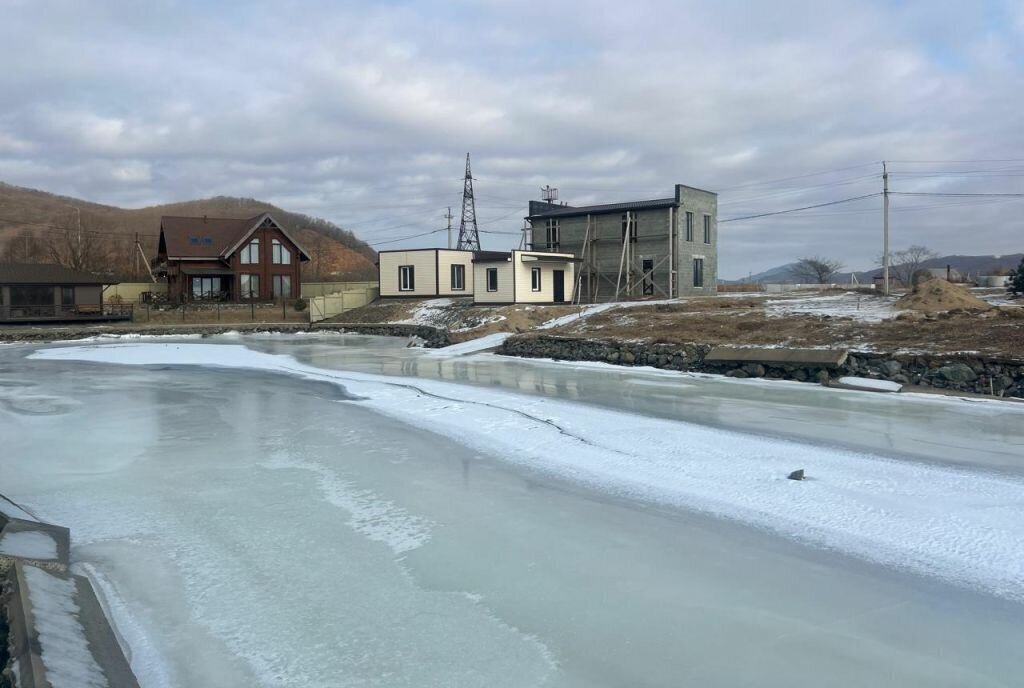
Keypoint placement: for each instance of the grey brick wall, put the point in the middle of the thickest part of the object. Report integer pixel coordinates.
(652, 243)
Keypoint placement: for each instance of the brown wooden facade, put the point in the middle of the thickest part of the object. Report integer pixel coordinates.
(219, 259)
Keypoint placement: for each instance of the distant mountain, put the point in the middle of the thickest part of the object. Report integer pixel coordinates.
(36, 226)
(965, 265)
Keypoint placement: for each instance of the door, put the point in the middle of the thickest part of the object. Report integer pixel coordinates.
(558, 284)
(648, 268)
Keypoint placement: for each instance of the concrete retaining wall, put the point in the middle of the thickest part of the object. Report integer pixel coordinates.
(960, 372)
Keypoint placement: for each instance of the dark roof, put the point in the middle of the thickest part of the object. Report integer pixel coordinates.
(491, 256)
(212, 237)
(570, 211)
(26, 273)
(203, 237)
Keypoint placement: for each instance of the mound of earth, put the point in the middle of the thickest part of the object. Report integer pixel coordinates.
(937, 295)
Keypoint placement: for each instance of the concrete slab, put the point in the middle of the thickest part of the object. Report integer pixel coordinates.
(866, 384)
(58, 634)
(44, 544)
(804, 358)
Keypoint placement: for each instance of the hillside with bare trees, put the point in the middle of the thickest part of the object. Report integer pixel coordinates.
(40, 227)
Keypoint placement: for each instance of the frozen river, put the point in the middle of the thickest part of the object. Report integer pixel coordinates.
(341, 511)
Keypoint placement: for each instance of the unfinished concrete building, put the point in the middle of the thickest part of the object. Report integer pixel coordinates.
(661, 248)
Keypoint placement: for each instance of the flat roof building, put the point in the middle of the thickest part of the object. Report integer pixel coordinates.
(665, 247)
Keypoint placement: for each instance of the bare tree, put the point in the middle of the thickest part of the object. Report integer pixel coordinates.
(905, 265)
(815, 269)
(24, 247)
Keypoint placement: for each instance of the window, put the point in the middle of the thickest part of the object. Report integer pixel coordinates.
(249, 286)
(406, 278)
(30, 295)
(707, 229)
(492, 279)
(698, 272)
(250, 253)
(458, 277)
(282, 285)
(535, 279)
(553, 238)
(206, 288)
(629, 223)
(67, 296)
(279, 254)
(689, 226)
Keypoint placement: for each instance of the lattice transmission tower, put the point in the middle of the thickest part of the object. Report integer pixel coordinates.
(469, 233)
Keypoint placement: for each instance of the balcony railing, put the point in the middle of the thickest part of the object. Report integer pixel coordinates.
(54, 312)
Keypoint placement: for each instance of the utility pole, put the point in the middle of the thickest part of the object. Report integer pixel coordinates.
(885, 229)
(449, 216)
(469, 237)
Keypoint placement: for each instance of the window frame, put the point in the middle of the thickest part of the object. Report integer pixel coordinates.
(277, 293)
(64, 290)
(630, 221)
(279, 253)
(698, 273)
(457, 270)
(707, 228)
(487, 277)
(689, 225)
(246, 281)
(535, 280)
(553, 235)
(406, 278)
(245, 256)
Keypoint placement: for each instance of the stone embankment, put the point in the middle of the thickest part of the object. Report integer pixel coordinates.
(432, 337)
(958, 372)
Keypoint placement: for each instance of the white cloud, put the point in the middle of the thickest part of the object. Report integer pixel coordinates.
(362, 114)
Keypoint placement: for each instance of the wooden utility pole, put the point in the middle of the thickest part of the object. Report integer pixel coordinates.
(885, 229)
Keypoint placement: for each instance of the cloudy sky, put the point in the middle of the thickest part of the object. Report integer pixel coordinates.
(362, 113)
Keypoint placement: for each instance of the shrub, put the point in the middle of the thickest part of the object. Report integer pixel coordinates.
(1016, 283)
(300, 304)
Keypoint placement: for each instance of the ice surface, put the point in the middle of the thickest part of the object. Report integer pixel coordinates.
(28, 544)
(247, 528)
(915, 516)
(63, 647)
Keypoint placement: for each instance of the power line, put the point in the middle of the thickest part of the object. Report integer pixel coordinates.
(796, 210)
(402, 239)
(956, 195)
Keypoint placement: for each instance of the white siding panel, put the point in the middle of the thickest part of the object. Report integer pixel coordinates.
(445, 260)
(425, 262)
(505, 293)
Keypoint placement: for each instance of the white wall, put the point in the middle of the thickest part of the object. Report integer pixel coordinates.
(524, 279)
(505, 292)
(445, 260)
(425, 264)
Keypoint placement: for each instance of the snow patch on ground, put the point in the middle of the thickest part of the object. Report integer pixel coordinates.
(29, 544)
(871, 383)
(961, 525)
(472, 346)
(64, 649)
(426, 313)
(863, 307)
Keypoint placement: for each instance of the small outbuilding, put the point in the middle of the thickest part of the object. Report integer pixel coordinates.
(45, 292)
(523, 277)
(425, 272)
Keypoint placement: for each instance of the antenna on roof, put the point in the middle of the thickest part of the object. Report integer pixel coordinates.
(548, 194)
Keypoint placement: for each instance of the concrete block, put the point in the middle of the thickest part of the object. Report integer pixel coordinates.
(804, 358)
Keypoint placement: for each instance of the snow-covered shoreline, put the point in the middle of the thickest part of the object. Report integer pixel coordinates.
(960, 525)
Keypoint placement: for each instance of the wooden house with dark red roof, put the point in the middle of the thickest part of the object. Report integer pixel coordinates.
(225, 259)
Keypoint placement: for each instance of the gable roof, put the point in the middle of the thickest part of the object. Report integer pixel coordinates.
(46, 273)
(215, 238)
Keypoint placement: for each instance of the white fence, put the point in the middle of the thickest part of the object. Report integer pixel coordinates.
(131, 292)
(311, 289)
(330, 305)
